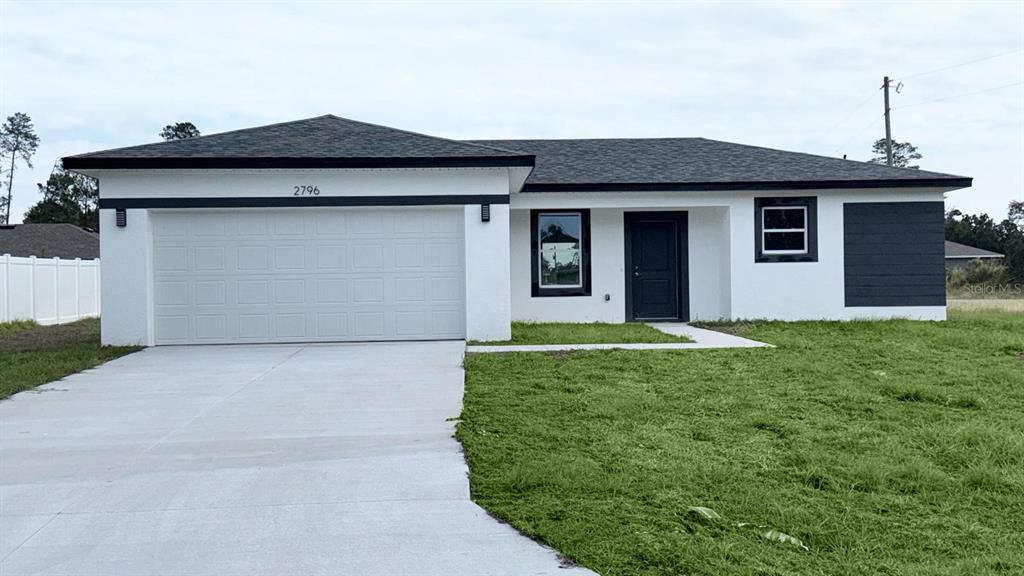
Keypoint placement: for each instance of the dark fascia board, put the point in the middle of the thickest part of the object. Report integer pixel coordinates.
(203, 163)
(302, 202)
(732, 186)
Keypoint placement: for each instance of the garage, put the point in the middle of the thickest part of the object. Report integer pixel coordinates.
(305, 275)
(318, 230)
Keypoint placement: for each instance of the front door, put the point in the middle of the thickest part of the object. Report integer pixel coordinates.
(656, 266)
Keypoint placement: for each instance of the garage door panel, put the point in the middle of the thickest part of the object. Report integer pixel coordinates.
(260, 276)
(331, 257)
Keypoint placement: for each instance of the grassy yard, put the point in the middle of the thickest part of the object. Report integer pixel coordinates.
(593, 333)
(886, 448)
(31, 355)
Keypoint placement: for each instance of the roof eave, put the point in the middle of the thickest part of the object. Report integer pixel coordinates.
(257, 163)
(945, 183)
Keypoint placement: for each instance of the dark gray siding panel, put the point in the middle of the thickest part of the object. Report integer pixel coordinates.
(894, 254)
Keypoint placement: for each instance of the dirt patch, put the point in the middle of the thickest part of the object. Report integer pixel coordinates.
(731, 328)
(46, 337)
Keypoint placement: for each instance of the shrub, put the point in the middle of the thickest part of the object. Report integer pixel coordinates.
(978, 273)
(985, 273)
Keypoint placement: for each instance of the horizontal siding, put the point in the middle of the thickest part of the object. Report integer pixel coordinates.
(894, 254)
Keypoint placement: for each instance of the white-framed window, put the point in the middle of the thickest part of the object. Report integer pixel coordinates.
(560, 250)
(784, 230)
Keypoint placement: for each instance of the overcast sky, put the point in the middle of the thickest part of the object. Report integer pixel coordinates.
(796, 76)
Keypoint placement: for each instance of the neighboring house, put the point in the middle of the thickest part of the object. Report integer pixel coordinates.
(328, 229)
(49, 241)
(959, 255)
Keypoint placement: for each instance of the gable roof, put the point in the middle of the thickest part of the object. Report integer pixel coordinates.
(322, 142)
(49, 241)
(622, 164)
(957, 250)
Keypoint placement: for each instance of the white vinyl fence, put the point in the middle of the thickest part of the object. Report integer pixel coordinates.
(48, 290)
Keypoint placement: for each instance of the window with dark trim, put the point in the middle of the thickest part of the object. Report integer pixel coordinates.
(560, 252)
(786, 229)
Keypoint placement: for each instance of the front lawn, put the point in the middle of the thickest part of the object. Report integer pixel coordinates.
(31, 355)
(886, 448)
(593, 333)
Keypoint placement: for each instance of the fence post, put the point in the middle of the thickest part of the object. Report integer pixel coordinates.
(56, 287)
(78, 280)
(7, 288)
(96, 280)
(32, 287)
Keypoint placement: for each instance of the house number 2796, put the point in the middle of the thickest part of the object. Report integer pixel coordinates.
(306, 191)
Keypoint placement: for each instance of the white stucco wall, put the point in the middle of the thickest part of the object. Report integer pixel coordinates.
(127, 252)
(488, 283)
(126, 282)
(724, 279)
(709, 273)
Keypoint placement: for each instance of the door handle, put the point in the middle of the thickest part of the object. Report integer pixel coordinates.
(636, 274)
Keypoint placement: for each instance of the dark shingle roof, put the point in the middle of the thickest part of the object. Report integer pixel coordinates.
(327, 141)
(560, 165)
(698, 163)
(957, 250)
(49, 241)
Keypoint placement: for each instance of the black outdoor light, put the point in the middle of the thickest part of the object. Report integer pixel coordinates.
(485, 212)
(120, 217)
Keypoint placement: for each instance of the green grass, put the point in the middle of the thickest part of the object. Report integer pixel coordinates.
(32, 355)
(16, 326)
(593, 333)
(887, 448)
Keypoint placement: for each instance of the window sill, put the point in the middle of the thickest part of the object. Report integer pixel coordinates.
(560, 293)
(779, 258)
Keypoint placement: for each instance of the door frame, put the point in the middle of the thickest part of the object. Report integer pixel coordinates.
(681, 218)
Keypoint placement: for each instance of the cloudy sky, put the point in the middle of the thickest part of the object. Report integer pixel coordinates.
(796, 75)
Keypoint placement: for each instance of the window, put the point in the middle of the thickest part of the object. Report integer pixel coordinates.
(561, 252)
(785, 229)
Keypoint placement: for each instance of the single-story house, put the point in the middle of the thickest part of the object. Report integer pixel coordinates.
(328, 229)
(960, 255)
(49, 241)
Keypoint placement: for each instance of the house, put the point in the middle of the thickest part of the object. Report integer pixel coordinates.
(960, 255)
(328, 229)
(49, 241)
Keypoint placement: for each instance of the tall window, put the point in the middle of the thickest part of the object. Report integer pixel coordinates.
(561, 246)
(786, 229)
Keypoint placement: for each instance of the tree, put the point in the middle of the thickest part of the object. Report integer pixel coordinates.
(903, 153)
(18, 140)
(179, 131)
(1016, 212)
(67, 198)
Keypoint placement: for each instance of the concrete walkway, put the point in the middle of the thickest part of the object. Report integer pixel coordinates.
(244, 460)
(702, 339)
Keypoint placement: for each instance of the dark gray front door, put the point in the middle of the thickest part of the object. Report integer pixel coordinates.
(656, 259)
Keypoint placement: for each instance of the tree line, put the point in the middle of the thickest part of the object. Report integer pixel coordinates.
(67, 197)
(981, 231)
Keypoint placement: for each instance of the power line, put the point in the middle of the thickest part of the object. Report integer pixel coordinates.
(857, 134)
(852, 112)
(958, 95)
(960, 64)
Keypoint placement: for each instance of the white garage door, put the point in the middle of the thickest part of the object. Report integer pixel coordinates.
(298, 275)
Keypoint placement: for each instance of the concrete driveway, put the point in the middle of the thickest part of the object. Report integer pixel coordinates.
(241, 460)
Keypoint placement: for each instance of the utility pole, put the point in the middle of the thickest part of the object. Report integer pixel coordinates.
(888, 128)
